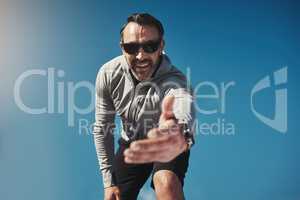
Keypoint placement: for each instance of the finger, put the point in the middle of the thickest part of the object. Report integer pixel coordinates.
(160, 149)
(151, 154)
(145, 157)
(131, 153)
(167, 125)
(167, 108)
(138, 159)
(154, 133)
(165, 128)
(157, 144)
(162, 144)
(118, 196)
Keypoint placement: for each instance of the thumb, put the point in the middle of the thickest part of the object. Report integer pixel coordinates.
(167, 108)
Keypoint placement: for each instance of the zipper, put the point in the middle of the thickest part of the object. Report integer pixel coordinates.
(135, 116)
(130, 105)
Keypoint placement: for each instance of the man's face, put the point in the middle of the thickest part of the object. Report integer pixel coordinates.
(141, 63)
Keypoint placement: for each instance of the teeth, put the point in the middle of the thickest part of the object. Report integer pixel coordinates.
(143, 65)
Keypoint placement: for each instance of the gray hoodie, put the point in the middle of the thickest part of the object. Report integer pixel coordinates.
(138, 105)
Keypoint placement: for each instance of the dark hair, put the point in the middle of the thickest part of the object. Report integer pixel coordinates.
(144, 19)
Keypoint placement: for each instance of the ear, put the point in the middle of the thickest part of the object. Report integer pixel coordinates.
(121, 47)
(162, 43)
(162, 46)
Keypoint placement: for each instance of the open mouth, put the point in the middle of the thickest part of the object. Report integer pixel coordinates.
(143, 65)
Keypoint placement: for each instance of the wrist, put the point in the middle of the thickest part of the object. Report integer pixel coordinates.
(188, 136)
(185, 146)
(109, 187)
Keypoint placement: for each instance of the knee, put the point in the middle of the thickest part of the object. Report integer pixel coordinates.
(167, 183)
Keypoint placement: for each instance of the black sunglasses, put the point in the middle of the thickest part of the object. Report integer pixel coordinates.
(148, 47)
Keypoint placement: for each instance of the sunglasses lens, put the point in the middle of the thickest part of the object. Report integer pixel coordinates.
(151, 47)
(131, 48)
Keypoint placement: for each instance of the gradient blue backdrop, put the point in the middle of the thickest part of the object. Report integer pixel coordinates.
(220, 41)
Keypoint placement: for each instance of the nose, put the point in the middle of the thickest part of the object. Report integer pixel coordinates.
(140, 54)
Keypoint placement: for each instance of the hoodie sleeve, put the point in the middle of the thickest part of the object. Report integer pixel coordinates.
(184, 111)
(104, 128)
(184, 107)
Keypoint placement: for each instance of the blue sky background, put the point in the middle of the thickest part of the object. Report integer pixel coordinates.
(41, 157)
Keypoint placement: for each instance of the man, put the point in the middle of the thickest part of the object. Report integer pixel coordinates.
(153, 100)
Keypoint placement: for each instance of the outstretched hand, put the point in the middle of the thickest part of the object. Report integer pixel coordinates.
(163, 144)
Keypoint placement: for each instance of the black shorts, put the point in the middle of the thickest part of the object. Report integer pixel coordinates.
(130, 178)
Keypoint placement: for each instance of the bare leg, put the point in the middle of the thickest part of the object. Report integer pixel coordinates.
(167, 186)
